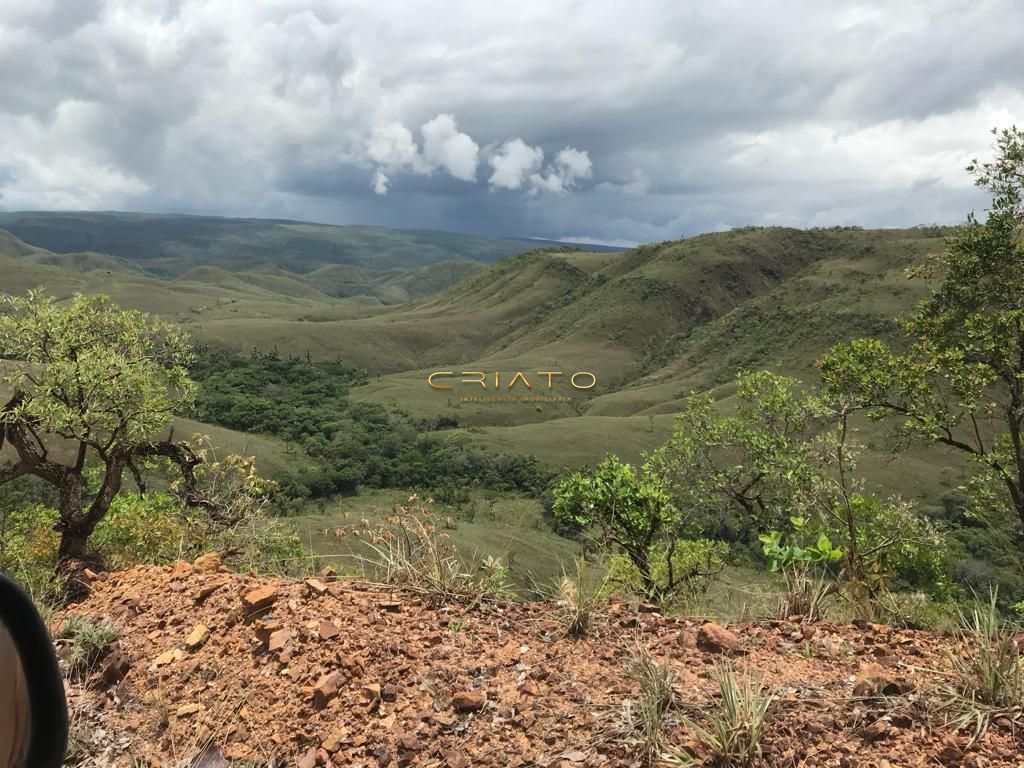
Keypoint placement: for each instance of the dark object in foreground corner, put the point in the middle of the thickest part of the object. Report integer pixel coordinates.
(33, 713)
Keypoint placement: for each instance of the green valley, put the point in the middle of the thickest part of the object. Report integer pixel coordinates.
(652, 324)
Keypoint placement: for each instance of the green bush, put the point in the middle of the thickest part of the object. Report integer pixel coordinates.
(28, 548)
(353, 444)
(696, 563)
(143, 529)
(147, 529)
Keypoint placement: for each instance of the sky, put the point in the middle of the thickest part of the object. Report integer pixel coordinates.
(612, 122)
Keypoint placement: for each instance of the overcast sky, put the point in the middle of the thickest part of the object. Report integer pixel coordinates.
(616, 122)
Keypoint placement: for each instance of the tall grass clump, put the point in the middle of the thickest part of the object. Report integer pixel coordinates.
(987, 677)
(734, 729)
(643, 720)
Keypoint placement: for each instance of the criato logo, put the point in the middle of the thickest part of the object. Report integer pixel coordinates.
(497, 379)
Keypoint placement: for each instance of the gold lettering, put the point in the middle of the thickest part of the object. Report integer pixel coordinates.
(479, 381)
(549, 374)
(593, 379)
(430, 380)
(519, 375)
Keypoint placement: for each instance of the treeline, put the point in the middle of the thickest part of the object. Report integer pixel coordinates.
(352, 444)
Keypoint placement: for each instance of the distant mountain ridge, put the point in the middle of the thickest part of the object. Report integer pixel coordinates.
(169, 245)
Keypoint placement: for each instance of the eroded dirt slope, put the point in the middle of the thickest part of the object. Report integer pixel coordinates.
(218, 669)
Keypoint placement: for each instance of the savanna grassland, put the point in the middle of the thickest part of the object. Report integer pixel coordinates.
(653, 324)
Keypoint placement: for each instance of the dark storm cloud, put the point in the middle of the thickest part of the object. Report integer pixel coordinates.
(612, 121)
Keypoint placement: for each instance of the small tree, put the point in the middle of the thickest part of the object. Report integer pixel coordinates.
(786, 453)
(960, 381)
(105, 381)
(757, 458)
(630, 509)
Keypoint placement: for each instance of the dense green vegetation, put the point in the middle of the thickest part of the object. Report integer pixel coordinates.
(354, 444)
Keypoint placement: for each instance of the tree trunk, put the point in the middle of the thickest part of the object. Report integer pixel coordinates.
(73, 534)
(643, 565)
(73, 542)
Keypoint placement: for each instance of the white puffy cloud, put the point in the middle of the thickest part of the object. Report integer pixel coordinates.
(574, 164)
(380, 182)
(446, 147)
(569, 167)
(513, 163)
(391, 145)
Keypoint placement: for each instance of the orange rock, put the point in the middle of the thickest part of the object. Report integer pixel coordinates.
(715, 638)
(326, 688)
(167, 657)
(259, 600)
(199, 635)
(469, 701)
(371, 692)
(327, 630)
(333, 742)
(316, 586)
(208, 563)
(278, 640)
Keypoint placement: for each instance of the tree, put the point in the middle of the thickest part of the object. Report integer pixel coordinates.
(757, 459)
(785, 453)
(105, 381)
(959, 382)
(630, 509)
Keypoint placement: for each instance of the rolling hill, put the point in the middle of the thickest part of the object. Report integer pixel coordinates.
(652, 324)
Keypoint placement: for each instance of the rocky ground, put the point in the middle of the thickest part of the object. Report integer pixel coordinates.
(216, 669)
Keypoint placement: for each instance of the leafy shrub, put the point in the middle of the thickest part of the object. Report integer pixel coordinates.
(804, 566)
(28, 548)
(144, 529)
(631, 511)
(157, 528)
(695, 564)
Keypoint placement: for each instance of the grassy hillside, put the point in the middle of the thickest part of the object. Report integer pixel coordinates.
(662, 320)
(653, 324)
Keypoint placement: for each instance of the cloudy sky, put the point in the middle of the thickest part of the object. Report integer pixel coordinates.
(618, 122)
